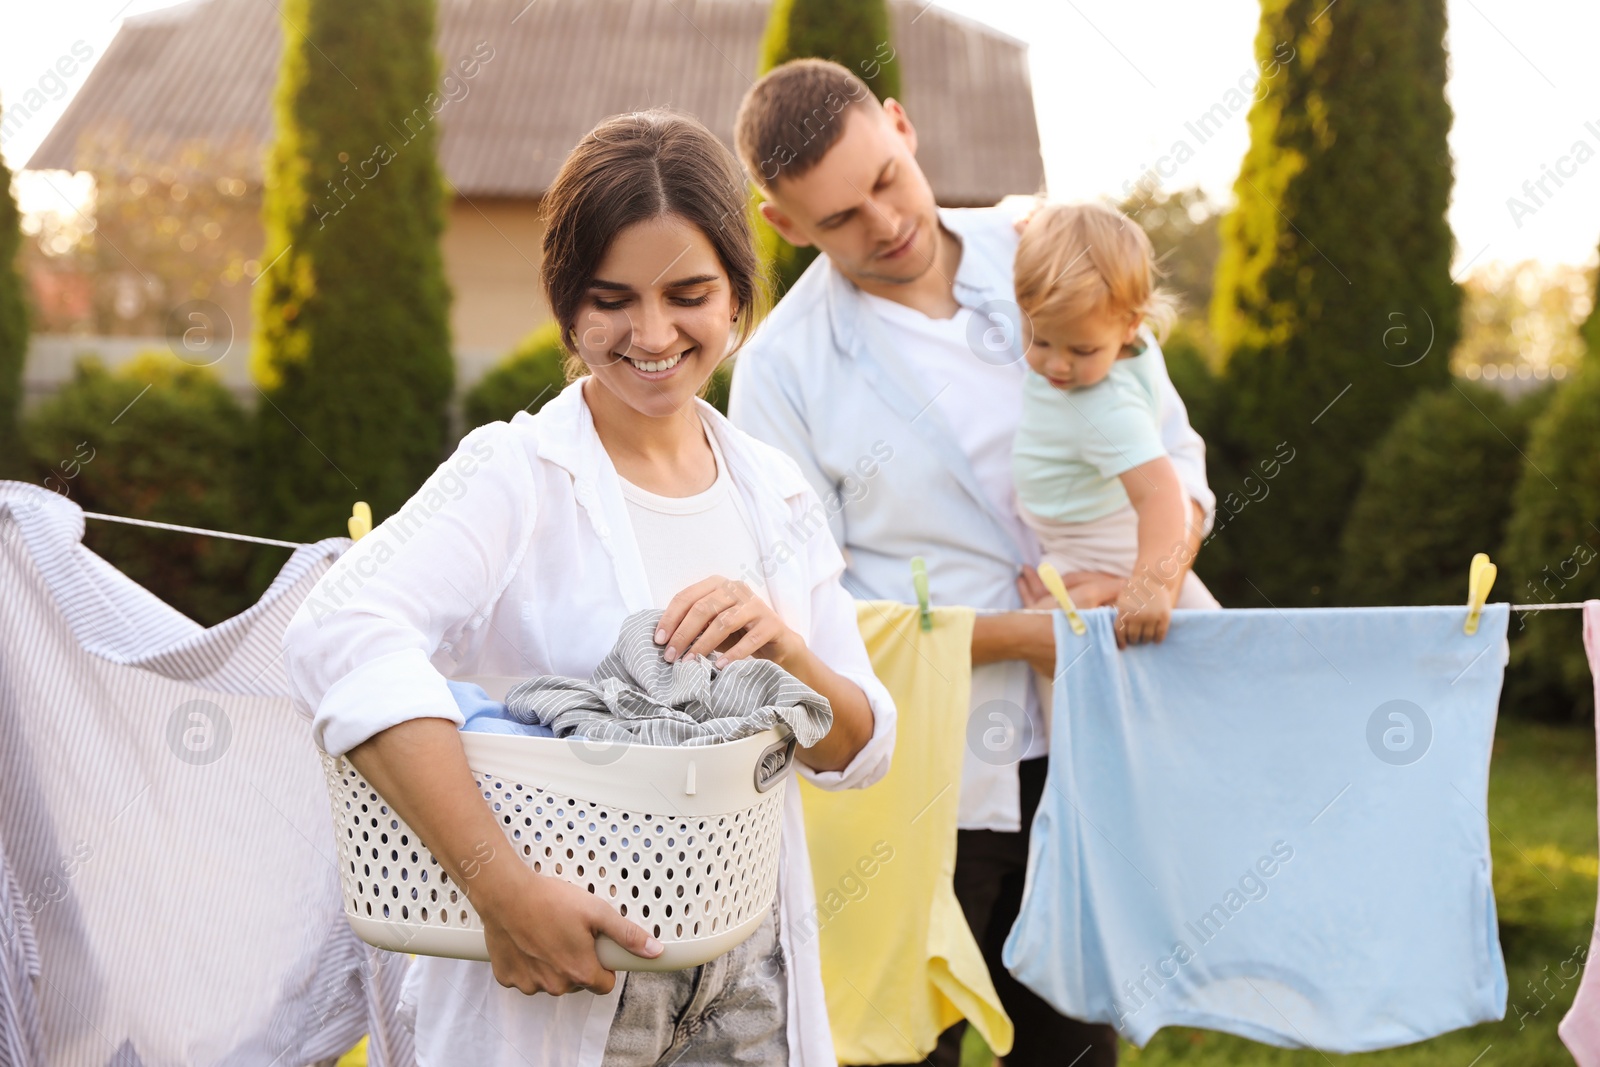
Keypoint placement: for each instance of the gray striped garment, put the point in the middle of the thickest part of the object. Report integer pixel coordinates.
(166, 826)
(21, 1044)
(636, 696)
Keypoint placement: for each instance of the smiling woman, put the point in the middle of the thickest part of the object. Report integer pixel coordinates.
(625, 492)
(649, 257)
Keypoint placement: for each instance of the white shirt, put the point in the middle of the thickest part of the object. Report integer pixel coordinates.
(981, 400)
(819, 380)
(687, 539)
(517, 557)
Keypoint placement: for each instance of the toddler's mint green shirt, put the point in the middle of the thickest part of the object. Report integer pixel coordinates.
(1073, 443)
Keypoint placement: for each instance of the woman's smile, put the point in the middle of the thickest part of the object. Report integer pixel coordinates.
(657, 369)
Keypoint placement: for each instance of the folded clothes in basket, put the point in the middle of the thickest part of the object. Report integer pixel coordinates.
(485, 715)
(637, 696)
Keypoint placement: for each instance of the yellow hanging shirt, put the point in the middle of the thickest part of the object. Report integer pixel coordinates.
(899, 963)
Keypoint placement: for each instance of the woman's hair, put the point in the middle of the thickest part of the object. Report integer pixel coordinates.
(1083, 259)
(633, 168)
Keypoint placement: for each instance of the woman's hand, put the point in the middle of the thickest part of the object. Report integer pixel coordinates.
(541, 934)
(540, 930)
(722, 615)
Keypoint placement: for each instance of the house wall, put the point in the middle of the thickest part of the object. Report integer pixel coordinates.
(491, 256)
(491, 260)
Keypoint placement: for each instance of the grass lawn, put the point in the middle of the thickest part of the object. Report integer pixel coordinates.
(1542, 806)
(1542, 811)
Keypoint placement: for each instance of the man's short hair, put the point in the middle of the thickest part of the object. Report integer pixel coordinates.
(792, 116)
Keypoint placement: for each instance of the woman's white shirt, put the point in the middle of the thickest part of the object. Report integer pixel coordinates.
(686, 539)
(517, 557)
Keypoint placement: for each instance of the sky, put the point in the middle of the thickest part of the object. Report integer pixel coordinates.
(1115, 82)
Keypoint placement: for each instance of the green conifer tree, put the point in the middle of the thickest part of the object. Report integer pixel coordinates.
(352, 346)
(853, 33)
(13, 331)
(1334, 303)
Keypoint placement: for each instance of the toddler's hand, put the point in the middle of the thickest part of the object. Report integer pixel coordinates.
(1143, 614)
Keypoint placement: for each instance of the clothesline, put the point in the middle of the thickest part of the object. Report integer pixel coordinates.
(297, 544)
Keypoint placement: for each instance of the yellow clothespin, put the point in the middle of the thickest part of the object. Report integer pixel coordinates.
(360, 520)
(919, 582)
(1052, 581)
(1480, 579)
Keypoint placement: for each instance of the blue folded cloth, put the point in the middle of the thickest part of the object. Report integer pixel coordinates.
(1274, 824)
(486, 716)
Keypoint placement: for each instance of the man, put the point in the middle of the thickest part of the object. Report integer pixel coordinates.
(892, 373)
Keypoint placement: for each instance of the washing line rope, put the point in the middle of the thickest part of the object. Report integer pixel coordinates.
(297, 544)
(193, 529)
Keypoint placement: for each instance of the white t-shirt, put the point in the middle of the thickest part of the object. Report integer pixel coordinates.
(686, 539)
(981, 402)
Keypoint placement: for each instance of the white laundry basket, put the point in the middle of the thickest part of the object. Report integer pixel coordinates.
(682, 841)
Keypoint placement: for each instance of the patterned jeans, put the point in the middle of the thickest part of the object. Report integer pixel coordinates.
(732, 1010)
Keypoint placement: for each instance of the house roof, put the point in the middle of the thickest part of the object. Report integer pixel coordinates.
(206, 70)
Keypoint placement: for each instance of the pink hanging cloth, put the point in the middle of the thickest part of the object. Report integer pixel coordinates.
(1580, 1030)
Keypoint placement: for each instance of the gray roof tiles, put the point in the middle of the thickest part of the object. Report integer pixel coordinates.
(206, 70)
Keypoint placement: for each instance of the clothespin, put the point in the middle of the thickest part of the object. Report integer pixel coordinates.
(919, 582)
(1480, 579)
(1052, 581)
(360, 520)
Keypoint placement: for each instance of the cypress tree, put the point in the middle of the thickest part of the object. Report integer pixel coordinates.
(1334, 303)
(13, 330)
(352, 345)
(852, 33)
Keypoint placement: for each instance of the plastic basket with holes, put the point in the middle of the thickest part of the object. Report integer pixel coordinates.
(682, 841)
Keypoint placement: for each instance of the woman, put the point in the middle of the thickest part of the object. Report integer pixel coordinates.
(523, 554)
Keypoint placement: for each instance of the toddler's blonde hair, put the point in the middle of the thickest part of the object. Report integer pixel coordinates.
(1076, 260)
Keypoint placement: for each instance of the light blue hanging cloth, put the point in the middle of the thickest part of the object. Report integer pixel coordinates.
(1274, 824)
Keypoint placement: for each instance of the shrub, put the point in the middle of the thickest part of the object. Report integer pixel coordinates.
(1437, 489)
(526, 379)
(177, 451)
(1552, 548)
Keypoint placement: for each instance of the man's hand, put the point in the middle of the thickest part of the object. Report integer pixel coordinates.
(1032, 591)
(1093, 589)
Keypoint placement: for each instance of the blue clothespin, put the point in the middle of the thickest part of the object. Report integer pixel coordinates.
(919, 581)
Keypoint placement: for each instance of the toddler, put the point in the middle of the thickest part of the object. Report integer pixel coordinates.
(1093, 478)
